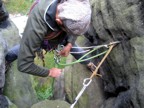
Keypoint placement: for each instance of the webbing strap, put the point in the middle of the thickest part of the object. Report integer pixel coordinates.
(94, 73)
(97, 68)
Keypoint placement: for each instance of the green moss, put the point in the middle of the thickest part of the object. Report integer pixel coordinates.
(12, 106)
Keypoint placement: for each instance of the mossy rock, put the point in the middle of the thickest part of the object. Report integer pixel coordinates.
(13, 106)
(51, 104)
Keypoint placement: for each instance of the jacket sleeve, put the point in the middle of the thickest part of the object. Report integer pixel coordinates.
(33, 35)
(71, 39)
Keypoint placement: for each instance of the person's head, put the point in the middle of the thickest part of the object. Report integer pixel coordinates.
(74, 16)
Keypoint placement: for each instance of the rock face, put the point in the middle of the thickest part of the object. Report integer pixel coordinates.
(123, 70)
(122, 82)
(18, 87)
(51, 104)
(74, 76)
(123, 73)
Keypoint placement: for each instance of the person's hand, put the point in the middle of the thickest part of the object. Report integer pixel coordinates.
(66, 50)
(55, 72)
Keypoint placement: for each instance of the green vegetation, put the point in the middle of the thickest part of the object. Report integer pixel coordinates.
(18, 6)
(44, 86)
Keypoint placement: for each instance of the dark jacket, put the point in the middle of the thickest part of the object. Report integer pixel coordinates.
(40, 23)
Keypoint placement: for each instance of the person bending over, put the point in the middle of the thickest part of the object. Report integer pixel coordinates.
(52, 22)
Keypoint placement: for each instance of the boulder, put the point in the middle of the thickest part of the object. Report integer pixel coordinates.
(121, 20)
(18, 87)
(74, 76)
(11, 105)
(51, 104)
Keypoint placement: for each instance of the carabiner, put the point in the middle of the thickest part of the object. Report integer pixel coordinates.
(87, 81)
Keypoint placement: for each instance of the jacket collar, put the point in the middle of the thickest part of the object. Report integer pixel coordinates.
(49, 15)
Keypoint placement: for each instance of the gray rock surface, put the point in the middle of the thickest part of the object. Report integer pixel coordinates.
(122, 80)
(51, 104)
(18, 87)
(121, 20)
(93, 96)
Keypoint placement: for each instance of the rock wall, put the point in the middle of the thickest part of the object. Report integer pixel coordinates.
(122, 83)
(74, 75)
(123, 70)
(18, 87)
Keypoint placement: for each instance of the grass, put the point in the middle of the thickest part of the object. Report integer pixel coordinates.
(18, 6)
(44, 86)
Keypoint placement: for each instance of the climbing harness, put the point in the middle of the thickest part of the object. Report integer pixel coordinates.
(87, 81)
